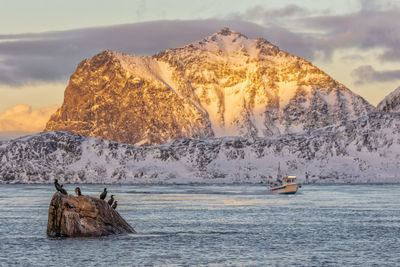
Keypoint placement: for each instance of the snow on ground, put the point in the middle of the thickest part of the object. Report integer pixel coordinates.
(361, 150)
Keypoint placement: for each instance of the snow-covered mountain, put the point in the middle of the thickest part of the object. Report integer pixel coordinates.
(223, 85)
(391, 103)
(366, 149)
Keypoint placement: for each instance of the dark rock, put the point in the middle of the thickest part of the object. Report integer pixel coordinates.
(83, 216)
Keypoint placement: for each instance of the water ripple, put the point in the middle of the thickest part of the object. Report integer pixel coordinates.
(329, 225)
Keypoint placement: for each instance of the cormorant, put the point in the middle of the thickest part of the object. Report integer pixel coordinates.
(114, 206)
(104, 194)
(110, 202)
(59, 187)
(78, 191)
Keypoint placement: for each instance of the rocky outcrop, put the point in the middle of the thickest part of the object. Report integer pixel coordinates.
(391, 103)
(366, 149)
(103, 99)
(223, 85)
(83, 216)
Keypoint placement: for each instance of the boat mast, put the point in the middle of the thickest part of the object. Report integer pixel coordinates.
(279, 175)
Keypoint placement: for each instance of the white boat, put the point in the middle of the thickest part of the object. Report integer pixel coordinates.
(284, 185)
(288, 186)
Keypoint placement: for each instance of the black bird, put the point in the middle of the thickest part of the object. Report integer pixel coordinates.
(114, 206)
(104, 194)
(111, 200)
(59, 187)
(78, 191)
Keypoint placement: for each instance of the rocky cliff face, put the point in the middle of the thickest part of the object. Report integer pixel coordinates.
(71, 216)
(223, 85)
(391, 103)
(104, 99)
(366, 149)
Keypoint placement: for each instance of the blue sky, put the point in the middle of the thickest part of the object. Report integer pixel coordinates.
(41, 42)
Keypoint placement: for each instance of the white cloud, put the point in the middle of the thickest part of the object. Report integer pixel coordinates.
(22, 118)
(367, 74)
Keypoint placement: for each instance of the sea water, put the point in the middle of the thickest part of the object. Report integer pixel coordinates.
(322, 225)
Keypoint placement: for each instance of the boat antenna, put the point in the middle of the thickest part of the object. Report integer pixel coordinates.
(279, 176)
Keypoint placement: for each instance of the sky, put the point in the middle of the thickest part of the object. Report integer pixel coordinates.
(357, 42)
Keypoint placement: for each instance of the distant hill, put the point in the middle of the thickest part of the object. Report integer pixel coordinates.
(365, 149)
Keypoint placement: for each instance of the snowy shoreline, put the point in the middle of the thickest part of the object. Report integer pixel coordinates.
(361, 150)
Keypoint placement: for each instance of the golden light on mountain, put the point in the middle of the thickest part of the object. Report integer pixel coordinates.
(223, 85)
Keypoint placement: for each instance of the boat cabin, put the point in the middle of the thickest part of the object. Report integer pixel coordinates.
(289, 180)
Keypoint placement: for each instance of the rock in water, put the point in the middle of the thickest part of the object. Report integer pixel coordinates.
(71, 216)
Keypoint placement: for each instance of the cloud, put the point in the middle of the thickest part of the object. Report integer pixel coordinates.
(351, 58)
(390, 55)
(373, 26)
(366, 74)
(260, 13)
(22, 118)
(52, 56)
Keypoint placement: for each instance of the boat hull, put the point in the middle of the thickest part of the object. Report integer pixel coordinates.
(285, 189)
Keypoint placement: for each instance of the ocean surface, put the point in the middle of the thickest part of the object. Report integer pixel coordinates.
(217, 225)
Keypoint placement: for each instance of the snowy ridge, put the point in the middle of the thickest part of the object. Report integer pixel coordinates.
(365, 149)
(151, 69)
(250, 86)
(391, 103)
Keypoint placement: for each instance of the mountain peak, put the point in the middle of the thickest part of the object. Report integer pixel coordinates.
(391, 103)
(228, 32)
(223, 85)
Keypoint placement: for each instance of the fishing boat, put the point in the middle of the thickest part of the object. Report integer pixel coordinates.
(284, 185)
(288, 186)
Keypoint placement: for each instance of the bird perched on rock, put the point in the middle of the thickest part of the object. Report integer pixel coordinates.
(78, 191)
(59, 187)
(110, 202)
(114, 206)
(104, 194)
